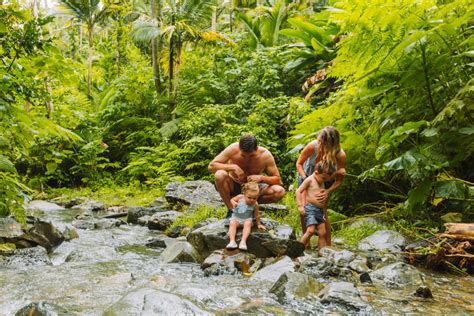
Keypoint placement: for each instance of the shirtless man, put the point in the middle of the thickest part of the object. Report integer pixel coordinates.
(246, 162)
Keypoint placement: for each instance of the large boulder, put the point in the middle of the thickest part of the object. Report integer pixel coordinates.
(193, 193)
(277, 240)
(147, 301)
(90, 206)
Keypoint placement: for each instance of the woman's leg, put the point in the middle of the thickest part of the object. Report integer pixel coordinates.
(327, 224)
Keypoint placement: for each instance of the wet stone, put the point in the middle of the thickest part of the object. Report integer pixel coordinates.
(423, 292)
(293, 286)
(41, 309)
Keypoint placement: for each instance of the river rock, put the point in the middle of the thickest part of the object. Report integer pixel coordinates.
(193, 193)
(272, 208)
(160, 242)
(294, 285)
(343, 296)
(274, 271)
(41, 309)
(278, 240)
(90, 206)
(147, 301)
(383, 241)
(181, 251)
(75, 201)
(135, 212)
(163, 220)
(9, 228)
(397, 275)
(26, 257)
(107, 223)
(43, 206)
(228, 262)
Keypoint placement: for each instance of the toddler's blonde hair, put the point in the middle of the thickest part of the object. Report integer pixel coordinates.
(250, 186)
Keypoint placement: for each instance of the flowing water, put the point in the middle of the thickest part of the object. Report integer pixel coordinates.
(92, 272)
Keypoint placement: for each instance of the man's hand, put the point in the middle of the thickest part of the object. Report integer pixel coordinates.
(237, 173)
(255, 178)
(261, 226)
(322, 196)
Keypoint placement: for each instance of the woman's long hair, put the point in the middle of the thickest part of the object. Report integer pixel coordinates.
(328, 145)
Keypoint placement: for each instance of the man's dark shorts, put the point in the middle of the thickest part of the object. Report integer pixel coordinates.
(313, 215)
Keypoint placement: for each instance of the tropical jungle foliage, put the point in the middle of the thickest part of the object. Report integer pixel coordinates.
(103, 94)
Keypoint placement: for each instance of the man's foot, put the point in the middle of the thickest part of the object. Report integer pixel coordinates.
(231, 245)
(243, 245)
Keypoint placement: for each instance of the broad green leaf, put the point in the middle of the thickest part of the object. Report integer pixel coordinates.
(6, 165)
(450, 189)
(51, 167)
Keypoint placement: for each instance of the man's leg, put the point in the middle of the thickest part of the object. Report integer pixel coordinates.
(224, 186)
(271, 194)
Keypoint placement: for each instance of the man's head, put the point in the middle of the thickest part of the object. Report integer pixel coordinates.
(248, 143)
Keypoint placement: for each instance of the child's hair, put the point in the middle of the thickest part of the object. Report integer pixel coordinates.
(323, 167)
(250, 186)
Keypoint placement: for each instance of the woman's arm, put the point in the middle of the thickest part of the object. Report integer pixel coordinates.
(305, 153)
(341, 171)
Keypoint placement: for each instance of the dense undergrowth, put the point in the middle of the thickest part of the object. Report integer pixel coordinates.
(120, 113)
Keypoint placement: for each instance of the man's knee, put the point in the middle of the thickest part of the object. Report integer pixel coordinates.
(221, 175)
(278, 192)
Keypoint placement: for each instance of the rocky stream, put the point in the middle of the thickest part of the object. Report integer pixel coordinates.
(83, 258)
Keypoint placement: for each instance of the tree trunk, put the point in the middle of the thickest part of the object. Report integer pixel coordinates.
(118, 38)
(89, 60)
(50, 25)
(155, 54)
(214, 19)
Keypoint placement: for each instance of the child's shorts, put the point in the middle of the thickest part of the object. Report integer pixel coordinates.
(313, 215)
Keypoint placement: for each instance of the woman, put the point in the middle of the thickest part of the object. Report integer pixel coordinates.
(325, 148)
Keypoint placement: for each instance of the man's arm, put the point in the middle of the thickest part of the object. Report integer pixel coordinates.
(221, 162)
(305, 153)
(273, 175)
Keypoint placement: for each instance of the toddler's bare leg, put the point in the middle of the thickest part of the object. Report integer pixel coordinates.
(246, 230)
(233, 229)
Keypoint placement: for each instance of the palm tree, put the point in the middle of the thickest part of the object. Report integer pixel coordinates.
(182, 21)
(264, 24)
(90, 12)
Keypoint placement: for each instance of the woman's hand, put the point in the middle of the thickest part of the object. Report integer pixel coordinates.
(322, 196)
